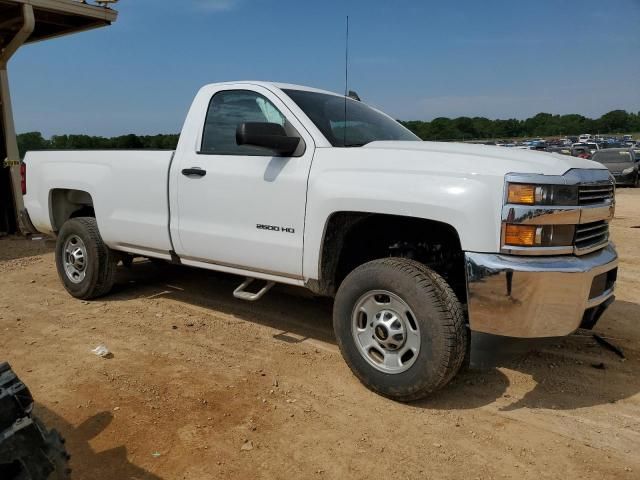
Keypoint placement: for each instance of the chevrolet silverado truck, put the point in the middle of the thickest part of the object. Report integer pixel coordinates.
(418, 242)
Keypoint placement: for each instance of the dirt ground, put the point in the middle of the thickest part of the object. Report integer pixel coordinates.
(203, 386)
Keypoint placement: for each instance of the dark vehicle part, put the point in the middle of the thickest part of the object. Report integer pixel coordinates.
(609, 346)
(27, 450)
(268, 135)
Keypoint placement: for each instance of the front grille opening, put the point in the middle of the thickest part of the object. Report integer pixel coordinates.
(612, 276)
(595, 193)
(589, 235)
(598, 286)
(603, 283)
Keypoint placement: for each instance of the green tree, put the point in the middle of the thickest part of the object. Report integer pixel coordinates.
(614, 121)
(31, 141)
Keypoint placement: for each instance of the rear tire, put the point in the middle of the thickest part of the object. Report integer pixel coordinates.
(85, 264)
(386, 308)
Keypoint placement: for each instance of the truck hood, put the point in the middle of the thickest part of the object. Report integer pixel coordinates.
(488, 159)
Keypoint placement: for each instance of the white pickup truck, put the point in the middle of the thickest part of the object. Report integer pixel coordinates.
(418, 242)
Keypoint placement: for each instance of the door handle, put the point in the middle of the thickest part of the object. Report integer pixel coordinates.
(190, 172)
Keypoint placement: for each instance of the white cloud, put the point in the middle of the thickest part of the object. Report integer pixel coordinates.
(217, 5)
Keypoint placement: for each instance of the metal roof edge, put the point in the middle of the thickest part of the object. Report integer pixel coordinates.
(73, 7)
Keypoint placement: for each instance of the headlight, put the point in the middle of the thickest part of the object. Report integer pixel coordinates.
(556, 214)
(517, 235)
(628, 171)
(531, 194)
(521, 194)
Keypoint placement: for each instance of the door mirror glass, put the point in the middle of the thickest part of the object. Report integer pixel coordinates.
(267, 135)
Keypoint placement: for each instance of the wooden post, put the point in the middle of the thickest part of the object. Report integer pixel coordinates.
(13, 155)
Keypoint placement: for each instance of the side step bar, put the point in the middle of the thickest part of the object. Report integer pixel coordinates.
(242, 293)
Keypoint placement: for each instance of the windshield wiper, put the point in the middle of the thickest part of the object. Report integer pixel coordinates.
(355, 144)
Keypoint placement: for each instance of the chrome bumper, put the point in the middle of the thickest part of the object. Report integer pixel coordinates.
(532, 297)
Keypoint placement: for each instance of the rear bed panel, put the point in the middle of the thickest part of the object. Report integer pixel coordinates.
(128, 188)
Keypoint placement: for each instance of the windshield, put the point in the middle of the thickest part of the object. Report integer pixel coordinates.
(613, 157)
(363, 124)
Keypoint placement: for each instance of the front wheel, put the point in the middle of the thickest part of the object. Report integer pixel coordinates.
(85, 264)
(400, 328)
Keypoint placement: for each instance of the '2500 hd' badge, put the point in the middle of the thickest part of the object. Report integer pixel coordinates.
(275, 228)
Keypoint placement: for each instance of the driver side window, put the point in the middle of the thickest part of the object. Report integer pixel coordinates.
(227, 110)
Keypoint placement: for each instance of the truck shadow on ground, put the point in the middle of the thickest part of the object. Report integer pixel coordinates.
(13, 247)
(295, 312)
(569, 373)
(85, 462)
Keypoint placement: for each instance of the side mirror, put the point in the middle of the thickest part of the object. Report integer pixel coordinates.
(267, 135)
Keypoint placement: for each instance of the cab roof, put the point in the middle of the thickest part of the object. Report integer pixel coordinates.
(278, 85)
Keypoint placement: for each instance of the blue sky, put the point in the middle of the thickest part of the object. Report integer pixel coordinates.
(414, 59)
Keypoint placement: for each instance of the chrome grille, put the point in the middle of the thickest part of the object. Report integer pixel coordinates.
(595, 193)
(591, 236)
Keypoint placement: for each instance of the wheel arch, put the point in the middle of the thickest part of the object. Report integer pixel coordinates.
(67, 203)
(352, 238)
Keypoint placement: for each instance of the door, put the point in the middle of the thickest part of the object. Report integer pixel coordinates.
(242, 206)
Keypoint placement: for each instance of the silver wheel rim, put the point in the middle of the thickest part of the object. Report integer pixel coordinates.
(385, 331)
(75, 259)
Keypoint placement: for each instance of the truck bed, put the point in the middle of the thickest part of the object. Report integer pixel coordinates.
(128, 189)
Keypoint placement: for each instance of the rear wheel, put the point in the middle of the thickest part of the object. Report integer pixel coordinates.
(400, 328)
(85, 264)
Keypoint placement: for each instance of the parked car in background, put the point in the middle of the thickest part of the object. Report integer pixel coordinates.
(580, 150)
(591, 146)
(584, 138)
(622, 163)
(560, 150)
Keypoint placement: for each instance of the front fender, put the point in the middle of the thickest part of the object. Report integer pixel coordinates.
(470, 203)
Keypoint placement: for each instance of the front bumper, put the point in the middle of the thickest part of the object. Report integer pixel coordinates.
(531, 297)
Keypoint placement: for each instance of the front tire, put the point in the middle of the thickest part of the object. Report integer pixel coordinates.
(86, 266)
(400, 328)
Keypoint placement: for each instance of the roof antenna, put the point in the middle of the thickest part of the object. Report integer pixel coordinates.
(346, 83)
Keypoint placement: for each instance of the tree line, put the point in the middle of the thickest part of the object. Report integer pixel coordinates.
(461, 128)
(540, 125)
(35, 141)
